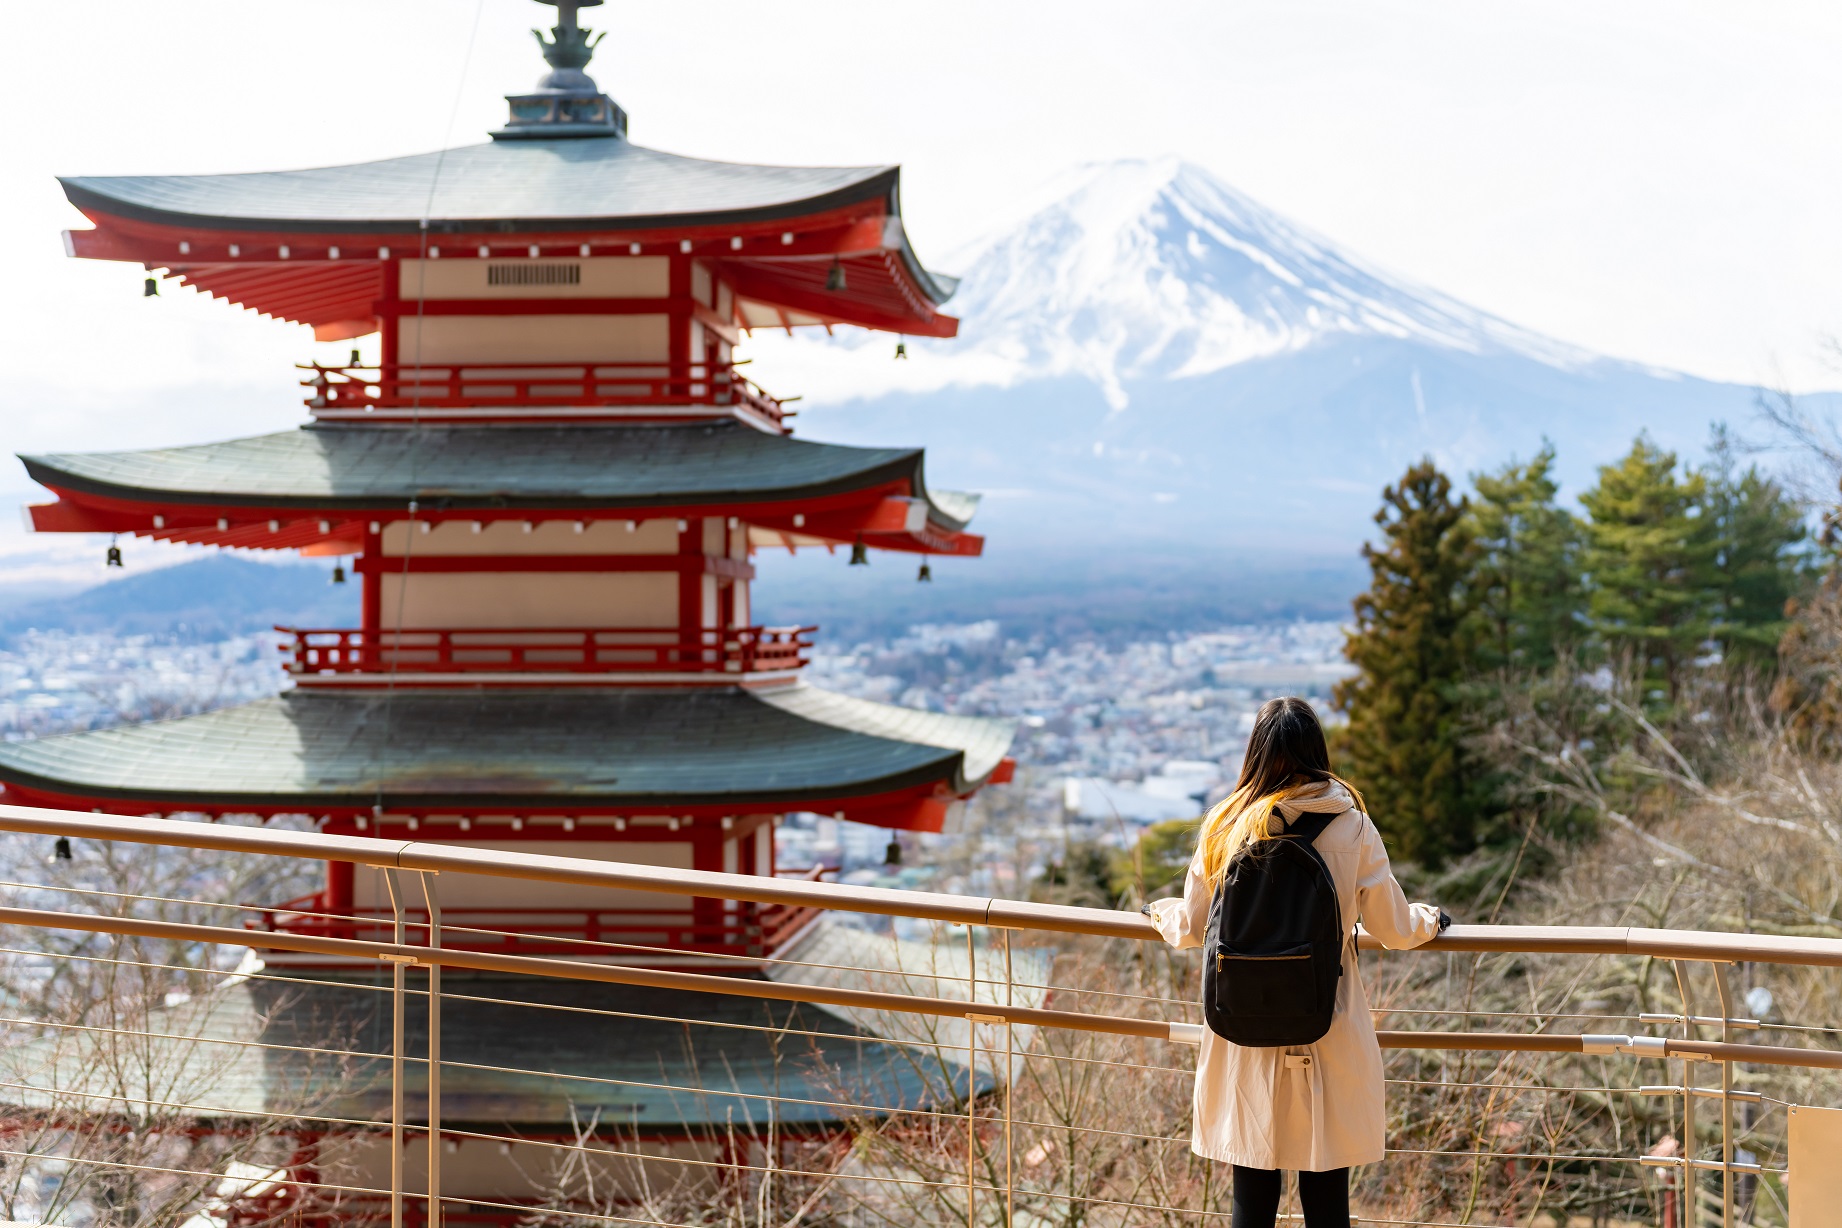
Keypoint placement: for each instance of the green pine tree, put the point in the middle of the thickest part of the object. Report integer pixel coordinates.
(1650, 559)
(1530, 600)
(1762, 557)
(1404, 743)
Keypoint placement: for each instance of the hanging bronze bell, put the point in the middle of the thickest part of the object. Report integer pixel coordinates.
(114, 556)
(925, 575)
(834, 278)
(860, 554)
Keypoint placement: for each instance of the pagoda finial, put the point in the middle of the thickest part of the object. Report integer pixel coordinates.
(566, 102)
(569, 48)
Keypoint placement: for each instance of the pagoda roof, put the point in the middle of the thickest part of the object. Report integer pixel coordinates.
(532, 185)
(639, 1067)
(291, 243)
(718, 750)
(500, 466)
(490, 469)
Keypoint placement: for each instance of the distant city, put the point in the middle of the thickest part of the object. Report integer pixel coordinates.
(58, 681)
(1111, 738)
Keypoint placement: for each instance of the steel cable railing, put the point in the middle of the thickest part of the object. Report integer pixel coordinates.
(1116, 1202)
(981, 1110)
(602, 1012)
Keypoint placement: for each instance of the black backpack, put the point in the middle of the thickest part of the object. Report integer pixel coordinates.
(1274, 951)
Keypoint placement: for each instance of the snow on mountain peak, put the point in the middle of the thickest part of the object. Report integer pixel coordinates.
(1156, 269)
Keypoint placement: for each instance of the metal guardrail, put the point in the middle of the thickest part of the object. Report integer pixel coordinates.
(1703, 945)
(411, 867)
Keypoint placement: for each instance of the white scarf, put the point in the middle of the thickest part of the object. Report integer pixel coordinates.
(1326, 798)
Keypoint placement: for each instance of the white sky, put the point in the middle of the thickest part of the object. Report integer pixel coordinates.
(1652, 180)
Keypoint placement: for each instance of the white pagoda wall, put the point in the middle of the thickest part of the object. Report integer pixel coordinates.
(477, 341)
(532, 599)
(457, 537)
(599, 277)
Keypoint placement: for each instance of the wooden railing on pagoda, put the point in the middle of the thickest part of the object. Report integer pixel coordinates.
(751, 931)
(356, 390)
(562, 650)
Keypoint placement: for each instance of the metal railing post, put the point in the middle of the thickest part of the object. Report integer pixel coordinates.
(1691, 1184)
(398, 974)
(432, 897)
(1725, 991)
(972, 1072)
(1010, 1079)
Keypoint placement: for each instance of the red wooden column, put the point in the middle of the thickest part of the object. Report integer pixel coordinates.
(371, 595)
(387, 301)
(691, 586)
(679, 314)
(339, 893)
(707, 854)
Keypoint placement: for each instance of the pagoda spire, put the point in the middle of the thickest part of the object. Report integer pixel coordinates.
(569, 47)
(566, 102)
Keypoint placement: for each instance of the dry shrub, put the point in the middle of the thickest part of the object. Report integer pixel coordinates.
(1092, 1128)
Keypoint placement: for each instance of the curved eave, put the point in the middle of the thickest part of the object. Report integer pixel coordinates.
(621, 751)
(91, 198)
(875, 794)
(858, 221)
(57, 472)
(298, 489)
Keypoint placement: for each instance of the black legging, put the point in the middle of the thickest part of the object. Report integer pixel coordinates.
(1324, 1197)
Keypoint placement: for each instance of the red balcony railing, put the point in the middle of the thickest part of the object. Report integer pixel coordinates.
(340, 390)
(748, 931)
(571, 650)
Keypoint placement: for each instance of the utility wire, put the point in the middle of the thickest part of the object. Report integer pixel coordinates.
(415, 408)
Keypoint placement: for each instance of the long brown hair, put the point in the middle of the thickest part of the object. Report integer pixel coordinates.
(1286, 757)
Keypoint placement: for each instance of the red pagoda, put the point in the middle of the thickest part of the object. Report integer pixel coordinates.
(551, 488)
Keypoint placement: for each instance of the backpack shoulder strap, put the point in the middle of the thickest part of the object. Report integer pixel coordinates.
(1308, 826)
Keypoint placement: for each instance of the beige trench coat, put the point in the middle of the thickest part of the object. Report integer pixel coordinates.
(1267, 1108)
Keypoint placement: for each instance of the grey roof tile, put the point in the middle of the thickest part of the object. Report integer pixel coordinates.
(491, 748)
(333, 467)
(983, 740)
(607, 183)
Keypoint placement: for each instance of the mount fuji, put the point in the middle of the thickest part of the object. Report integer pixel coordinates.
(1157, 376)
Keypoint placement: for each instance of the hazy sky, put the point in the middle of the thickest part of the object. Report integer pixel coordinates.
(1656, 181)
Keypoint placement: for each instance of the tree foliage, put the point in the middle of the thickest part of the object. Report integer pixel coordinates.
(1674, 577)
(1527, 583)
(1762, 558)
(1412, 644)
(1650, 562)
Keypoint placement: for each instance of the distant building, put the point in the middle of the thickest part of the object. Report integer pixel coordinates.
(1180, 789)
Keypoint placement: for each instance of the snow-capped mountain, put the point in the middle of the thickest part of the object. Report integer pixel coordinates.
(1157, 269)
(1145, 269)
(1149, 355)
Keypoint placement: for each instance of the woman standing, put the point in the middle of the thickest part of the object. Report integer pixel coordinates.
(1315, 1109)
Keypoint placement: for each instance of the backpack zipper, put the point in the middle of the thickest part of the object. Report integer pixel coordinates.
(1222, 956)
